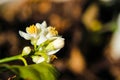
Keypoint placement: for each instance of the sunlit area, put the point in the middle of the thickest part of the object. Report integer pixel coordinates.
(59, 39)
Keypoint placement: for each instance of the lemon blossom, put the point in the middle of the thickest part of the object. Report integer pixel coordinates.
(34, 32)
(45, 39)
(39, 33)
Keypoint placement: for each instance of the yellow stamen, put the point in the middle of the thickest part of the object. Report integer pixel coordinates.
(53, 57)
(53, 31)
(32, 29)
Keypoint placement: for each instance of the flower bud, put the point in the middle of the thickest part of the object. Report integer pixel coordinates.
(58, 43)
(26, 50)
(38, 59)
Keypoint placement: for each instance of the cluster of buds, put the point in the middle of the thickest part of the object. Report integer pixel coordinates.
(45, 40)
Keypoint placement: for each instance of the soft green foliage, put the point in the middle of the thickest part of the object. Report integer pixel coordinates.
(42, 71)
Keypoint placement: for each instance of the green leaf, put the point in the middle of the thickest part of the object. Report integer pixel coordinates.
(42, 71)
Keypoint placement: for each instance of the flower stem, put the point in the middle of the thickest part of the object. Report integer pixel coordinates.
(24, 61)
(9, 59)
(17, 57)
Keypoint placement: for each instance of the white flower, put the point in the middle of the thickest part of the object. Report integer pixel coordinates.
(39, 33)
(32, 32)
(26, 50)
(47, 40)
(35, 32)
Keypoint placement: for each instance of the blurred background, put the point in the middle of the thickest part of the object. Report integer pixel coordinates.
(91, 29)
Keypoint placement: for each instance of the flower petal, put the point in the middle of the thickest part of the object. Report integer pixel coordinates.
(53, 52)
(49, 35)
(42, 28)
(25, 35)
(44, 24)
(38, 25)
(41, 39)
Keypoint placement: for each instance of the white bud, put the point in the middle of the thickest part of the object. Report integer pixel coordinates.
(26, 50)
(38, 59)
(58, 43)
(55, 46)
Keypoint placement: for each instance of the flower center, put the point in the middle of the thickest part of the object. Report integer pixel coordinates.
(53, 31)
(32, 29)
